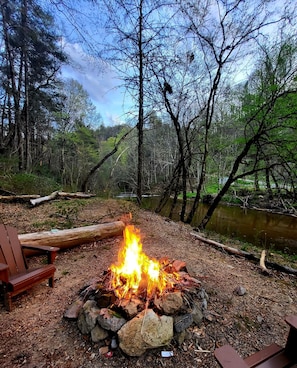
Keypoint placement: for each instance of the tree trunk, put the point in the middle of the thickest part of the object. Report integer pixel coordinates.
(140, 108)
(101, 162)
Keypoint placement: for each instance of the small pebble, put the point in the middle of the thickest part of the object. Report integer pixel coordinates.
(240, 290)
(260, 319)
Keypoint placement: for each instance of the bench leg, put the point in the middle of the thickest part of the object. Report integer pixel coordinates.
(291, 344)
(7, 300)
(51, 281)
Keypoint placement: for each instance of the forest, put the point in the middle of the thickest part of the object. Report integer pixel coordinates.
(212, 99)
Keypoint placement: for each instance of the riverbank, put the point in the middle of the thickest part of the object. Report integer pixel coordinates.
(252, 229)
(35, 334)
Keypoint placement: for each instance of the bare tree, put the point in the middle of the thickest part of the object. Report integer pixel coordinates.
(220, 30)
(134, 32)
(268, 118)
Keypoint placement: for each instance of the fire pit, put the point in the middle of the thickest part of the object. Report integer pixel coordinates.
(139, 303)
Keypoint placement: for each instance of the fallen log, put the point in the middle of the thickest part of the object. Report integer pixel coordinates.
(228, 249)
(57, 194)
(39, 200)
(69, 238)
(75, 195)
(17, 198)
(250, 256)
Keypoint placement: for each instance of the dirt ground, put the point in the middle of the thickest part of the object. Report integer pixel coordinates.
(35, 334)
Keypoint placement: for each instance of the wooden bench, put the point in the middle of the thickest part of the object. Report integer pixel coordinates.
(273, 356)
(15, 276)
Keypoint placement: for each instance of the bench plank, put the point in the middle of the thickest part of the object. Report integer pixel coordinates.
(262, 355)
(229, 358)
(280, 360)
(273, 356)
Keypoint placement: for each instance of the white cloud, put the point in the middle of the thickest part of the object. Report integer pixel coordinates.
(98, 80)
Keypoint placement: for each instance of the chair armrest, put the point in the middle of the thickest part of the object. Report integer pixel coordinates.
(4, 272)
(229, 358)
(50, 251)
(292, 321)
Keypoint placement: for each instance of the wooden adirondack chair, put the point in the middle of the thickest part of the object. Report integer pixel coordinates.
(15, 277)
(273, 356)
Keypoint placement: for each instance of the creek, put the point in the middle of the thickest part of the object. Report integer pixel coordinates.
(263, 229)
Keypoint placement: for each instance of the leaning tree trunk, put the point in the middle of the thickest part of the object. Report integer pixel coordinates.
(101, 162)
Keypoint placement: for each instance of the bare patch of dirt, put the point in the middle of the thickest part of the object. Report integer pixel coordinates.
(35, 334)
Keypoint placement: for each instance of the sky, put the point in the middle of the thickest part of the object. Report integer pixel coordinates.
(77, 26)
(101, 83)
(102, 86)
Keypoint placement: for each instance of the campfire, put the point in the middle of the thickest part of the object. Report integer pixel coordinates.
(136, 273)
(139, 303)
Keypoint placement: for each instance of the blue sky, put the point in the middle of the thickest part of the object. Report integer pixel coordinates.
(80, 28)
(102, 85)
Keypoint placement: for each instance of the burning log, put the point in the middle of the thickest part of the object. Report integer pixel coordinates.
(72, 237)
(138, 323)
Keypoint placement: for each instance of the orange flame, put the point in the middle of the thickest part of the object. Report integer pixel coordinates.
(135, 271)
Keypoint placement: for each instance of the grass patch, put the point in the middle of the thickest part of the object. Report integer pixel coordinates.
(45, 224)
(24, 183)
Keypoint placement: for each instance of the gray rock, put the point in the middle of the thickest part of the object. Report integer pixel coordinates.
(81, 323)
(204, 304)
(146, 330)
(88, 316)
(197, 314)
(182, 322)
(109, 320)
(240, 290)
(203, 294)
(180, 337)
(170, 303)
(72, 312)
(98, 334)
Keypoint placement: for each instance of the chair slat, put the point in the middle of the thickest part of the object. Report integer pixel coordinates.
(273, 356)
(228, 357)
(11, 249)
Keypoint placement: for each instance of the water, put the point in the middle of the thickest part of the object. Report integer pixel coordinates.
(264, 229)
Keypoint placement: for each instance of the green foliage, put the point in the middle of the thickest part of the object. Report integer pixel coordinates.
(30, 60)
(46, 225)
(24, 183)
(211, 188)
(8, 164)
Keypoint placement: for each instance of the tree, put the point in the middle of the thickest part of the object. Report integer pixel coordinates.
(74, 143)
(101, 162)
(269, 116)
(220, 31)
(134, 29)
(31, 60)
